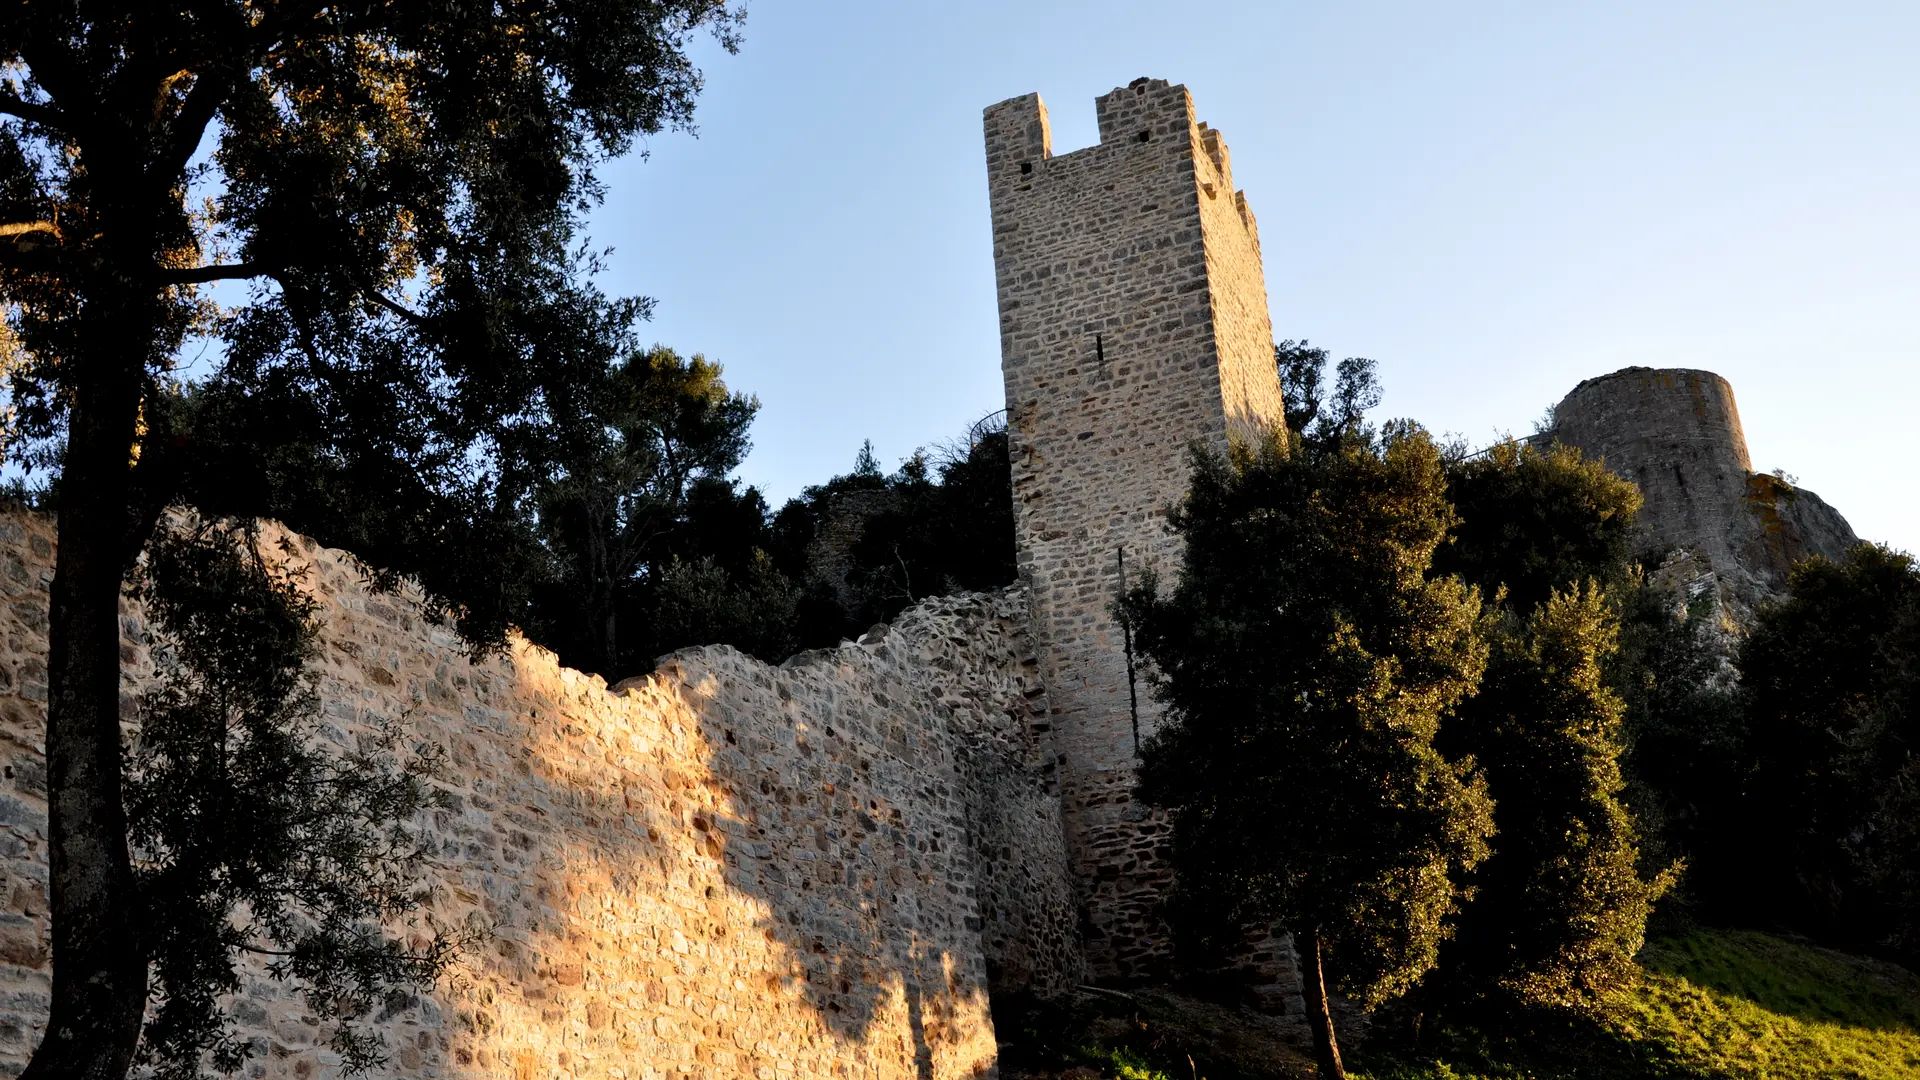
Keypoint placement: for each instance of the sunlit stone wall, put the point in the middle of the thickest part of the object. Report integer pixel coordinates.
(722, 869)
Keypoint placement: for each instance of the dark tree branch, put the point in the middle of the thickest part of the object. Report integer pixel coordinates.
(163, 89)
(55, 68)
(190, 125)
(199, 275)
(27, 252)
(413, 317)
(44, 115)
(216, 76)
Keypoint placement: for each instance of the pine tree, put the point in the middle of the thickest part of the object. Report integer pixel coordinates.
(664, 430)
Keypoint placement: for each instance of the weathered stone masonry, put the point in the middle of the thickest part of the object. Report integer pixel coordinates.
(723, 869)
(1726, 533)
(1133, 323)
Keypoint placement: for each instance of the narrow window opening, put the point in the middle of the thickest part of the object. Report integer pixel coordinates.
(1100, 353)
(1145, 135)
(1026, 168)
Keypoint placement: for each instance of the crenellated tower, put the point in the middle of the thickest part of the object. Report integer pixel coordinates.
(1133, 322)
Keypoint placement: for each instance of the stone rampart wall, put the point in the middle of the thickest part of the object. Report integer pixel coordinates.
(722, 869)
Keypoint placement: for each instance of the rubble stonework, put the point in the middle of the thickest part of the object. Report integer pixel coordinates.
(1724, 531)
(1133, 323)
(722, 869)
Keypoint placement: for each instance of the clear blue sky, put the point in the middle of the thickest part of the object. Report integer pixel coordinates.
(1494, 201)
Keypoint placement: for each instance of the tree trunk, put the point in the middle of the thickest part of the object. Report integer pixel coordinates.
(99, 965)
(1326, 1047)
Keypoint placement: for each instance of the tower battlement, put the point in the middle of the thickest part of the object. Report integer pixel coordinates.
(1133, 323)
(1146, 120)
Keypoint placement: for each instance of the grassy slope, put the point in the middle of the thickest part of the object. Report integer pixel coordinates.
(1715, 1004)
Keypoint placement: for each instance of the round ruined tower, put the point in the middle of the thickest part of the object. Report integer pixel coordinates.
(1718, 525)
(1676, 433)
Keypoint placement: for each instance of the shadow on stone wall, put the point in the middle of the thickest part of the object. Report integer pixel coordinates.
(725, 866)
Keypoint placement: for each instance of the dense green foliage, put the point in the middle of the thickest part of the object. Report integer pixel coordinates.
(1560, 908)
(1535, 521)
(252, 838)
(402, 187)
(647, 542)
(865, 545)
(1291, 553)
(652, 543)
(1538, 520)
(1685, 744)
(1830, 682)
(1306, 657)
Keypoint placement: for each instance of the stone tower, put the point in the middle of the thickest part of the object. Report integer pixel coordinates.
(1133, 322)
(1674, 432)
(1723, 529)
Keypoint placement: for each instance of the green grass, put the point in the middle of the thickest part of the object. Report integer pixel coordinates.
(1714, 1004)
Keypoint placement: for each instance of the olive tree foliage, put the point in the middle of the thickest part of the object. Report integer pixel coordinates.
(1536, 520)
(1560, 908)
(253, 838)
(1685, 744)
(396, 189)
(1306, 657)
